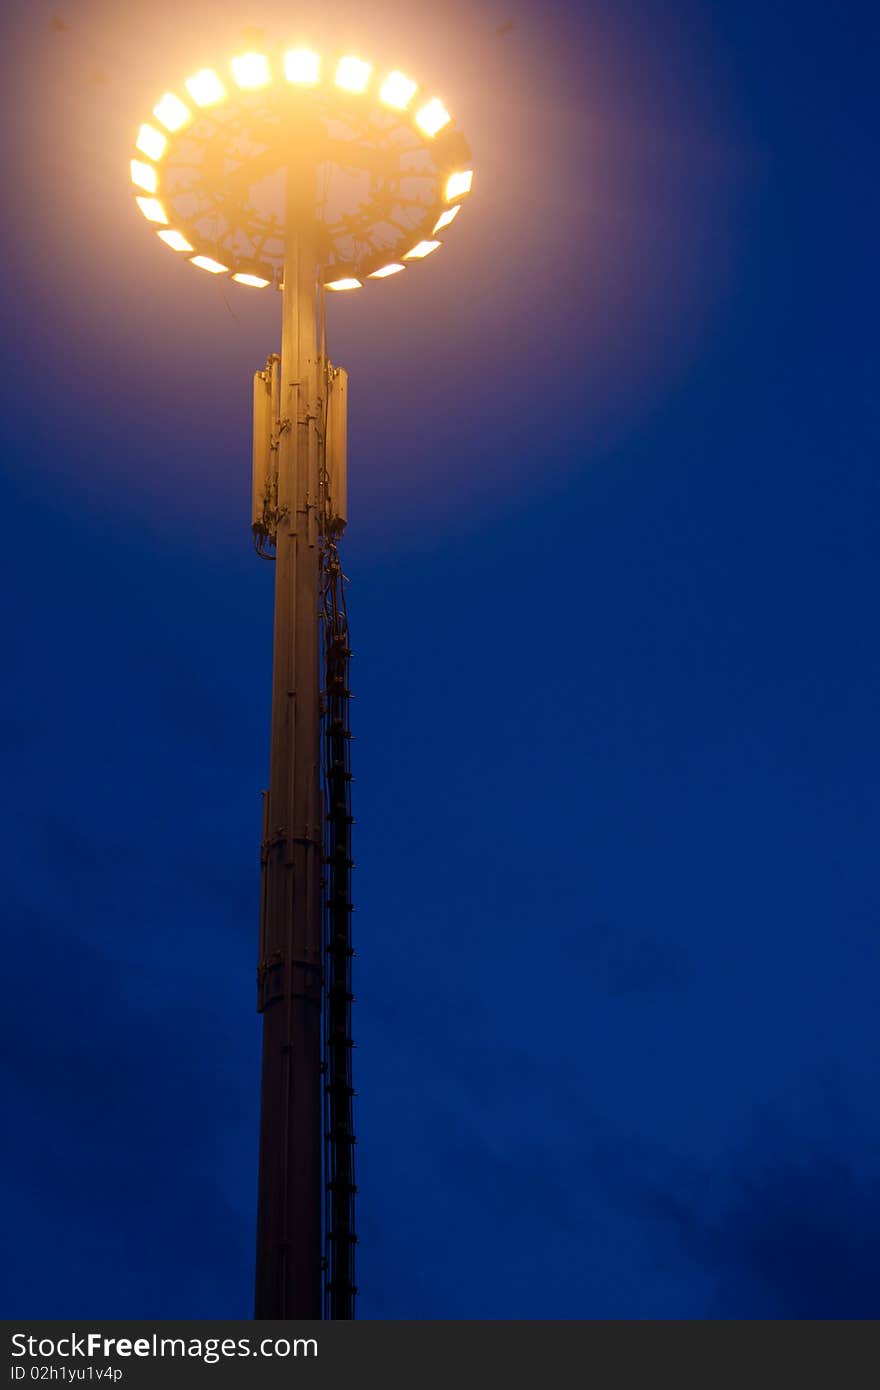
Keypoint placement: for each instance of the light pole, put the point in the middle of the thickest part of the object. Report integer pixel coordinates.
(281, 169)
(288, 1276)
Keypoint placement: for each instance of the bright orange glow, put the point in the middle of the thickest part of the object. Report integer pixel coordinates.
(459, 184)
(171, 112)
(353, 74)
(176, 240)
(303, 66)
(144, 176)
(152, 209)
(433, 117)
(398, 90)
(205, 87)
(205, 263)
(253, 280)
(251, 71)
(151, 142)
(445, 218)
(386, 270)
(423, 249)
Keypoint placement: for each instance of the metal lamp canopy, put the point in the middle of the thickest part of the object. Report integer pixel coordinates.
(391, 167)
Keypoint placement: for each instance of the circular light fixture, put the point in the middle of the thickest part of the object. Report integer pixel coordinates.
(391, 168)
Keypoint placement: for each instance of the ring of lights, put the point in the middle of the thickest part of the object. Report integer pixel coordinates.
(199, 157)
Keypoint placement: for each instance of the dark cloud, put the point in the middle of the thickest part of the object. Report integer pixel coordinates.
(780, 1236)
(129, 1118)
(628, 959)
(799, 1239)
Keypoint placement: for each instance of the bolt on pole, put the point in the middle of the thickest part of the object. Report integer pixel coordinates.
(289, 1206)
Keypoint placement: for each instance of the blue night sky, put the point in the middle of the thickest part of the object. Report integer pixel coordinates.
(614, 569)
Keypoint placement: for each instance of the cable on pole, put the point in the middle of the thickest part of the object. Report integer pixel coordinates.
(340, 1186)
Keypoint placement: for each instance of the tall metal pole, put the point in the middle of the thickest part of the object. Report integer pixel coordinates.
(289, 1237)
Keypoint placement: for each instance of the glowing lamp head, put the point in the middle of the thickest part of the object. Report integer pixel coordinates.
(153, 210)
(458, 184)
(251, 71)
(445, 218)
(302, 66)
(399, 112)
(212, 267)
(397, 91)
(256, 282)
(433, 117)
(353, 74)
(384, 271)
(205, 88)
(171, 112)
(151, 142)
(176, 240)
(144, 176)
(421, 250)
